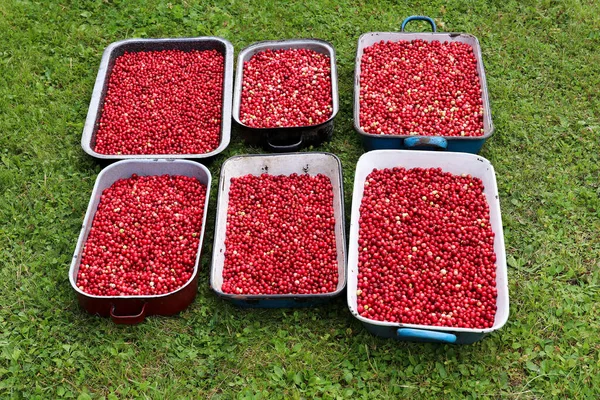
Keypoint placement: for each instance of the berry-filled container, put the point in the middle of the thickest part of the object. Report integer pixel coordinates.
(133, 308)
(180, 109)
(282, 167)
(387, 107)
(294, 135)
(460, 165)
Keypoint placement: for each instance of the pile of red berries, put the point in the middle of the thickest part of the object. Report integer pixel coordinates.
(286, 88)
(280, 236)
(144, 237)
(420, 88)
(426, 249)
(163, 102)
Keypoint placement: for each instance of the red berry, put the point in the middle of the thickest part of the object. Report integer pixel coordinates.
(285, 88)
(420, 88)
(426, 249)
(163, 102)
(144, 237)
(280, 236)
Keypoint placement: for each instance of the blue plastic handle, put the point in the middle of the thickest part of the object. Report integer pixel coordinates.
(426, 142)
(429, 336)
(419, 18)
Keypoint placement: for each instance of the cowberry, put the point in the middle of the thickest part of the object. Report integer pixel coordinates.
(420, 88)
(426, 249)
(144, 237)
(280, 236)
(286, 88)
(163, 102)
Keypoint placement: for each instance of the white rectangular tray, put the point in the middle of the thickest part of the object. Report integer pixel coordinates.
(456, 163)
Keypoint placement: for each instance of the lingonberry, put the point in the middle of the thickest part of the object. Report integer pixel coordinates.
(420, 88)
(144, 237)
(426, 249)
(286, 88)
(280, 236)
(163, 102)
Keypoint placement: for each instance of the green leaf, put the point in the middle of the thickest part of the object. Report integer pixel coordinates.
(278, 371)
(178, 12)
(280, 346)
(532, 366)
(348, 376)
(298, 378)
(282, 333)
(441, 370)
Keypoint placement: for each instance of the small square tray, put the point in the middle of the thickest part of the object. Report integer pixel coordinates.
(286, 139)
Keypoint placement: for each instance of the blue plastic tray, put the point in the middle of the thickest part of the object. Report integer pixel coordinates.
(449, 143)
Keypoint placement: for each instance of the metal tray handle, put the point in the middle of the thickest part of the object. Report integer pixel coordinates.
(128, 319)
(419, 18)
(286, 147)
(426, 336)
(426, 142)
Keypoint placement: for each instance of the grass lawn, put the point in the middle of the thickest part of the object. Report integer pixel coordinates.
(542, 60)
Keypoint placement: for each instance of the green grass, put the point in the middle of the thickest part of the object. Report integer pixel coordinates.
(543, 68)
